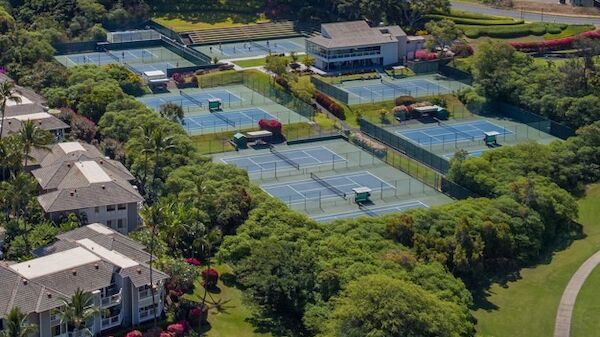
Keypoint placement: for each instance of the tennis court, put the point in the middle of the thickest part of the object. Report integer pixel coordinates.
(372, 211)
(389, 90)
(300, 191)
(182, 98)
(240, 118)
(452, 133)
(306, 157)
(251, 49)
(472, 153)
(141, 59)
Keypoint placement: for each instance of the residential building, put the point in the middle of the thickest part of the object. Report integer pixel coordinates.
(93, 258)
(32, 107)
(75, 178)
(355, 44)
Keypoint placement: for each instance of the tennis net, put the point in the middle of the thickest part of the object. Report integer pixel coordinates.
(284, 157)
(395, 86)
(258, 45)
(115, 57)
(442, 124)
(198, 103)
(366, 210)
(328, 185)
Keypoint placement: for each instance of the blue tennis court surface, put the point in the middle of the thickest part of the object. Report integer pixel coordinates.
(388, 91)
(254, 48)
(299, 191)
(239, 117)
(451, 133)
(401, 207)
(155, 101)
(307, 157)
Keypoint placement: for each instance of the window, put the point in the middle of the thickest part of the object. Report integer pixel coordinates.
(122, 206)
(97, 209)
(110, 208)
(109, 223)
(120, 223)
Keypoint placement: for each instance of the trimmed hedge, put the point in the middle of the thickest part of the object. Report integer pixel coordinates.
(511, 31)
(553, 45)
(476, 22)
(326, 102)
(473, 15)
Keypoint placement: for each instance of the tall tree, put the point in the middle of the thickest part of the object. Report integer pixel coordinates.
(160, 143)
(16, 324)
(7, 94)
(152, 217)
(77, 310)
(32, 137)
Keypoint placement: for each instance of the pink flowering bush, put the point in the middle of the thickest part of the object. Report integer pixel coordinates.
(176, 328)
(134, 333)
(193, 261)
(426, 55)
(555, 44)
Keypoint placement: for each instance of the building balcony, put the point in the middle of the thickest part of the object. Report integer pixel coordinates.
(110, 300)
(147, 314)
(146, 295)
(54, 319)
(110, 322)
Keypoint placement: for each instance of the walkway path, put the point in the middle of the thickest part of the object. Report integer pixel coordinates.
(528, 16)
(562, 326)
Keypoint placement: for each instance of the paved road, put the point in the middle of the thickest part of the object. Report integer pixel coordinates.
(562, 325)
(524, 15)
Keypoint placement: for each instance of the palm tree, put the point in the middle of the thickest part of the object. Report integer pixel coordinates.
(7, 93)
(77, 310)
(32, 137)
(152, 217)
(160, 144)
(16, 325)
(10, 156)
(143, 145)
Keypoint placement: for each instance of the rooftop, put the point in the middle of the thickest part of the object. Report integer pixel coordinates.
(54, 263)
(355, 33)
(111, 256)
(69, 147)
(93, 172)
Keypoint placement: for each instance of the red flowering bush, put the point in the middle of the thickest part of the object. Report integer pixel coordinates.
(134, 333)
(272, 125)
(462, 50)
(555, 44)
(195, 312)
(176, 328)
(193, 261)
(166, 334)
(177, 77)
(426, 55)
(326, 102)
(210, 277)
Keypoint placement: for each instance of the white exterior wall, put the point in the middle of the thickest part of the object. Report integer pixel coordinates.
(389, 52)
(129, 216)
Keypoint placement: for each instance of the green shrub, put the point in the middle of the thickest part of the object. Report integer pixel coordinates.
(405, 100)
(477, 22)
(472, 15)
(507, 32)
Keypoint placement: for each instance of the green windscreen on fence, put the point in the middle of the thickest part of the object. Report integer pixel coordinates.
(398, 143)
(330, 90)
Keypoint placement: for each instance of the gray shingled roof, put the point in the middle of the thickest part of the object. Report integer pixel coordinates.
(61, 175)
(140, 275)
(88, 277)
(93, 195)
(354, 34)
(28, 295)
(58, 155)
(13, 125)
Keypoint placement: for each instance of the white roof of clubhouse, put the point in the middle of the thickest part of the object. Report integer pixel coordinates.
(354, 34)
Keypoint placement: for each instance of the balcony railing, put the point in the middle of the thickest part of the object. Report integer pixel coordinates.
(146, 294)
(146, 314)
(111, 300)
(110, 322)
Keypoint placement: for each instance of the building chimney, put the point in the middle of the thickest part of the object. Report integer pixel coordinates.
(74, 272)
(24, 281)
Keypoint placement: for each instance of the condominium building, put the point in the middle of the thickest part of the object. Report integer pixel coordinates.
(355, 44)
(31, 108)
(93, 258)
(75, 178)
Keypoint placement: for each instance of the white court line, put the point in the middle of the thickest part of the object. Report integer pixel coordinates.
(372, 175)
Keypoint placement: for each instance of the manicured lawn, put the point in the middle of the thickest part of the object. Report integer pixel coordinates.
(258, 62)
(231, 319)
(586, 316)
(569, 31)
(528, 306)
(181, 23)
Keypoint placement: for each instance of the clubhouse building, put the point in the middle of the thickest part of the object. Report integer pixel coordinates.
(355, 45)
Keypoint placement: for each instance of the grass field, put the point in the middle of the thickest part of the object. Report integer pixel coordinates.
(231, 318)
(585, 321)
(528, 306)
(257, 62)
(181, 23)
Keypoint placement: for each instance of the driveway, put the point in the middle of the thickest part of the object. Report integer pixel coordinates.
(524, 15)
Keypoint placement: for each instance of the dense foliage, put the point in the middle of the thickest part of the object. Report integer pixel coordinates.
(566, 93)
